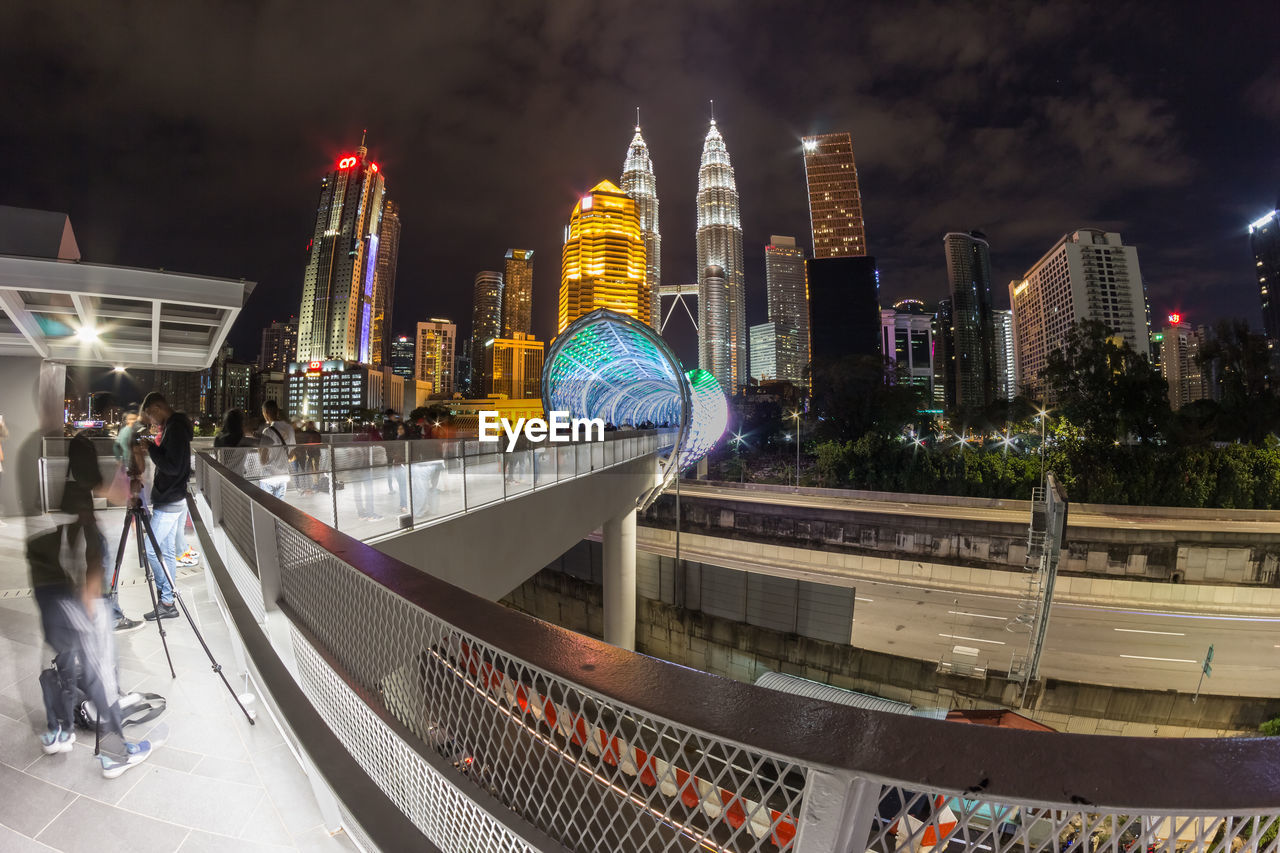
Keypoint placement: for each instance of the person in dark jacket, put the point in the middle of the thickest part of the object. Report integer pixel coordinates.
(232, 432)
(170, 450)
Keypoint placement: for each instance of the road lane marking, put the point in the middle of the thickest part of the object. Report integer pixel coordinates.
(1166, 660)
(977, 615)
(860, 598)
(964, 650)
(973, 639)
(1140, 631)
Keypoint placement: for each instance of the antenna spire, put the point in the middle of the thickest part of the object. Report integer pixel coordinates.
(713, 110)
(637, 119)
(363, 134)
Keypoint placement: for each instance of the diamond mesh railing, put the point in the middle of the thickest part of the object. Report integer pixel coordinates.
(490, 730)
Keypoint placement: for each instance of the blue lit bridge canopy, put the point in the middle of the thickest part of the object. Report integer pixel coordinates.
(611, 366)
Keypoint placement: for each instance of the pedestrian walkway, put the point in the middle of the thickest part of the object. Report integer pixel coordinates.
(218, 784)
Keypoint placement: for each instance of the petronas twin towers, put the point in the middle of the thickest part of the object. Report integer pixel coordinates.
(722, 322)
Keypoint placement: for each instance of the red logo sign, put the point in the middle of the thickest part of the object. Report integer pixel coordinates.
(346, 162)
(1175, 318)
(315, 365)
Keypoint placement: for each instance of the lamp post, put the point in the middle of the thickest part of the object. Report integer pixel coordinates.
(737, 449)
(1042, 417)
(795, 415)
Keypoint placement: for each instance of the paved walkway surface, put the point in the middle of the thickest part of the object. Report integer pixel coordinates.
(218, 784)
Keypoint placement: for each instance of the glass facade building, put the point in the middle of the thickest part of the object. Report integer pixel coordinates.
(788, 306)
(764, 351)
(835, 204)
(517, 293)
(638, 181)
(1264, 240)
(403, 356)
(972, 345)
(603, 262)
(486, 324)
(722, 312)
(516, 366)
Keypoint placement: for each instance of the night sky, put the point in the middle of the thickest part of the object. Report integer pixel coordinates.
(193, 136)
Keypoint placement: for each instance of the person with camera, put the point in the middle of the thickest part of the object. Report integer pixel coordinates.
(170, 452)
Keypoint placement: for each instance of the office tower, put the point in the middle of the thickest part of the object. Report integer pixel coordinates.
(1264, 240)
(486, 324)
(1179, 363)
(462, 361)
(638, 181)
(279, 345)
(788, 305)
(384, 295)
(1087, 275)
(603, 261)
(844, 308)
(433, 355)
(403, 356)
(835, 205)
(516, 366)
(944, 378)
(722, 323)
(972, 346)
(1006, 358)
(906, 339)
(345, 271)
(764, 351)
(517, 293)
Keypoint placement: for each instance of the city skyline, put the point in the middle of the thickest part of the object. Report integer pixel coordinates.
(958, 120)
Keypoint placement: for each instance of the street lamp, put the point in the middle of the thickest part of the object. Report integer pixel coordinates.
(795, 415)
(1042, 417)
(737, 448)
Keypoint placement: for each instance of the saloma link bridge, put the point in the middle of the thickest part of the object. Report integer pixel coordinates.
(430, 717)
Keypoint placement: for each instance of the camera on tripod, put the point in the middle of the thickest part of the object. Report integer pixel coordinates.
(139, 437)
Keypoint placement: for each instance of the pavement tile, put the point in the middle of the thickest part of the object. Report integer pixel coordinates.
(29, 804)
(206, 842)
(88, 826)
(193, 801)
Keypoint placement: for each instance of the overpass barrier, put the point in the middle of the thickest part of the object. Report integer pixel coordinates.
(488, 730)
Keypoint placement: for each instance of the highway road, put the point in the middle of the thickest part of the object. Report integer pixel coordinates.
(1076, 517)
(1139, 648)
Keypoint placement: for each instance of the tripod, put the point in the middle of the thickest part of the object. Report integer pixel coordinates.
(136, 516)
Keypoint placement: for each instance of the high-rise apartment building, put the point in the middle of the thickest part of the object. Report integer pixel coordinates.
(1180, 365)
(835, 205)
(385, 293)
(788, 306)
(944, 376)
(486, 324)
(433, 355)
(1264, 240)
(722, 316)
(764, 351)
(638, 181)
(462, 372)
(1087, 275)
(1006, 355)
(972, 349)
(279, 345)
(516, 366)
(347, 272)
(906, 338)
(517, 293)
(404, 361)
(603, 262)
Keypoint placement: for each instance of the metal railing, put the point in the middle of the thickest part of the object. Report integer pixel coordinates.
(491, 730)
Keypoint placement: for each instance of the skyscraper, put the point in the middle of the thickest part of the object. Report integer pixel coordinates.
(972, 332)
(345, 274)
(764, 351)
(1087, 275)
(1006, 356)
(788, 303)
(486, 324)
(516, 366)
(1264, 240)
(279, 345)
(603, 261)
(1179, 364)
(638, 181)
(433, 355)
(844, 300)
(517, 293)
(907, 340)
(722, 322)
(384, 295)
(835, 205)
(404, 356)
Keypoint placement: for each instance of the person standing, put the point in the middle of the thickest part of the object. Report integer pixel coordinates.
(308, 457)
(273, 452)
(170, 453)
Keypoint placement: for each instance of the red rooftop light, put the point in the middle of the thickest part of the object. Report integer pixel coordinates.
(347, 162)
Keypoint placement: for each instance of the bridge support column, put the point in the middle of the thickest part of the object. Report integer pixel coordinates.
(619, 549)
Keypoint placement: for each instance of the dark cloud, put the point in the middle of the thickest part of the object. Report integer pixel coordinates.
(193, 136)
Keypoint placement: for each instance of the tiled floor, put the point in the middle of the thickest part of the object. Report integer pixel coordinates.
(218, 784)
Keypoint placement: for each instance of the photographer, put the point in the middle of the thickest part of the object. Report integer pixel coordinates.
(170, 452)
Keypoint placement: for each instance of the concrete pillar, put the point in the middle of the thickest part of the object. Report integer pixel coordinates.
(31, 395)
(620, 580)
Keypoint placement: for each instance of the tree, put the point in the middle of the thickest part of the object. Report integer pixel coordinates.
(1242, 362)
(1105, 387)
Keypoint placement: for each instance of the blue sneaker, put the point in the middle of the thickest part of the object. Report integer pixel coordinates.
(57, 740)
(135, 754)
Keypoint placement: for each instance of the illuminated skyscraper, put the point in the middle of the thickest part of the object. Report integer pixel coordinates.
(603, 262)
(486, 324)
(433, 355)
(1180, 346)
(788, 302)
(835, 205)
(385, 293)
(279, 345)
(403, 356)
(349, 267)
(639, 182)
(1264, 240)
(516, 366)
(517, 293)
(972, 344)
(723, 343)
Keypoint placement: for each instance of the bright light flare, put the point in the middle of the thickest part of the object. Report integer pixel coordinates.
(87, 334)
